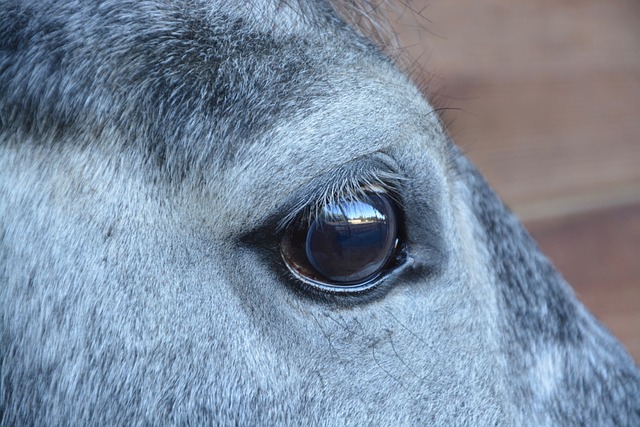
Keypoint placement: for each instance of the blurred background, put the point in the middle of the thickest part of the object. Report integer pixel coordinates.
(544, 97)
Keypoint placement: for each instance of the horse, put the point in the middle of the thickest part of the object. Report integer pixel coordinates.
(243, 213)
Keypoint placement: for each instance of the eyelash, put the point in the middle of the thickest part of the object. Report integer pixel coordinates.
(347, 187)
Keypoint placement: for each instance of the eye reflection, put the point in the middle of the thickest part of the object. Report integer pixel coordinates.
(352, 211)
(347, 244)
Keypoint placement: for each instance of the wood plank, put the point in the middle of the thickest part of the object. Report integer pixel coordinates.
(550, 93)
(549, 140)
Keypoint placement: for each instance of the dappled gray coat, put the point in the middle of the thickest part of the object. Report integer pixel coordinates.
(168, 171)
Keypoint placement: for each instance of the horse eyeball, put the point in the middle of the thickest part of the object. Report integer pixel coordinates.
(346, 246)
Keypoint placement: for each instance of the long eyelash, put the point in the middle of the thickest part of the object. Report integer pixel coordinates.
(344, 185)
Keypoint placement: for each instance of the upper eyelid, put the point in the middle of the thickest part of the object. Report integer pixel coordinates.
(347, 180)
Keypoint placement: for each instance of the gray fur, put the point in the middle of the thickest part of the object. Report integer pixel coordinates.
(149, 150)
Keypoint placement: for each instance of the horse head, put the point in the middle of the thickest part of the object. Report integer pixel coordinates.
(240, 213)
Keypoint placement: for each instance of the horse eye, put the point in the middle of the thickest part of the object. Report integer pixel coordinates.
(346, 246)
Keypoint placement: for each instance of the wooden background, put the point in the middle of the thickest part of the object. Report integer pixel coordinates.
(547, 99)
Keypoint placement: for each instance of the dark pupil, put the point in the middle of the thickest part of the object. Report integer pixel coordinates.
(351, 240)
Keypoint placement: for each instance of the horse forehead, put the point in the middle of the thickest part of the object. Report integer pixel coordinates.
(155, 69)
